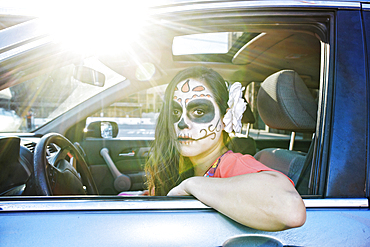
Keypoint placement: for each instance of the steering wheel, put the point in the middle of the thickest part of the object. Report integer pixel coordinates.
(56, 162)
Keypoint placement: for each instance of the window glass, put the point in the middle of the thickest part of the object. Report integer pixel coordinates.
(136, 115)
(27, 106)
(204, 43)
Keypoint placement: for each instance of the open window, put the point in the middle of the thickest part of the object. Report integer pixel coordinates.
(256, 48)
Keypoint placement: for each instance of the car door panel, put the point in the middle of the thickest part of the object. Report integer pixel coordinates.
(169, 223)
(129, 156)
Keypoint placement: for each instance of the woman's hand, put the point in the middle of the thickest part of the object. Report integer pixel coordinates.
(179, 190)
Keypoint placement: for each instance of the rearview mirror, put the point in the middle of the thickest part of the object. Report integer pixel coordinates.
(89, 76)
(102, 129)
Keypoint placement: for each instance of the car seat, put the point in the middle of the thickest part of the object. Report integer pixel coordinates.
(285, 103)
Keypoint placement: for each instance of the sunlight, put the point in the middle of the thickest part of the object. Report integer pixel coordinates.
(87, 27)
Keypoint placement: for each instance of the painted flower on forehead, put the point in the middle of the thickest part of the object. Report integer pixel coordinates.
(237, 106)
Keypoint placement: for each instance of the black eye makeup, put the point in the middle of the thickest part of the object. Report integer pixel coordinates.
(200, 111)
(176, 111)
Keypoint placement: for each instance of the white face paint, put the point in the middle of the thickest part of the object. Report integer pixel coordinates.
(196, 118)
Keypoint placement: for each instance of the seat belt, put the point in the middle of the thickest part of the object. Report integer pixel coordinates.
(307, 164)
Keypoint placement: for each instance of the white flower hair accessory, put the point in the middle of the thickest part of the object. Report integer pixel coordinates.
(237, 106)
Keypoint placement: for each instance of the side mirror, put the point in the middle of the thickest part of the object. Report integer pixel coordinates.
(89, 76)
(102, 129)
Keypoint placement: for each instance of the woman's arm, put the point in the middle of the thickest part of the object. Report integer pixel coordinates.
(266, 200)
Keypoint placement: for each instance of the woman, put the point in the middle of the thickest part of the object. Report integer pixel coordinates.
(190, 156)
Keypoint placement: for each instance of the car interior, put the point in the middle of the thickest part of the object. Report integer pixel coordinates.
(277, 60)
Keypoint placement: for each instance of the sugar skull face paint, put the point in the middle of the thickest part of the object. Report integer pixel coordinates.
(196, 118)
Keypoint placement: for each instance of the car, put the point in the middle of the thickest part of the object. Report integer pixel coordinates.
(84, 85)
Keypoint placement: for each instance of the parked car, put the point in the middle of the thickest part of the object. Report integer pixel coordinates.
(87, 89)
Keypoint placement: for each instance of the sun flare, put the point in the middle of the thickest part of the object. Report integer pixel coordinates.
(95, 28)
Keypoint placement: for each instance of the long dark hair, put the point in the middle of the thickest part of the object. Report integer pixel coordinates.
(162, 167)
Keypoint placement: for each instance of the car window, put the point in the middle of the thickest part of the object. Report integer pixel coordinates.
(136, 77)
(136, 115)
(31, 104)
(204, 43)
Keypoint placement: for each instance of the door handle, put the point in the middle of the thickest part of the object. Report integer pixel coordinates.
(129, 154)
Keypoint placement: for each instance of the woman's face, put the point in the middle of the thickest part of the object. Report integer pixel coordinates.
(196, 118)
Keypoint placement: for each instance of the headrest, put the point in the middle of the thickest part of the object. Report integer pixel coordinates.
(284, 102)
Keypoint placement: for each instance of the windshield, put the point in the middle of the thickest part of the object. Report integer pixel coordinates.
(33, 103)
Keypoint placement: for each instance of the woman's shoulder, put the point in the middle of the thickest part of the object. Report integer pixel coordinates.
(230, 155)
(233, 164)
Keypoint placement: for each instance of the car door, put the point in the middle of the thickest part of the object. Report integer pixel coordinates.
(337, 202)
